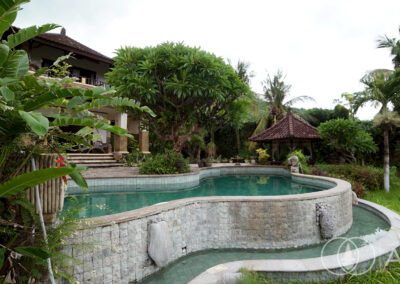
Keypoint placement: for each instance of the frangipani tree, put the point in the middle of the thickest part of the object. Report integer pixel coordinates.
(381, 88)
(186, 87)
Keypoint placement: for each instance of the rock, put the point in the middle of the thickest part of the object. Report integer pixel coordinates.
(159, 243)
(293, 161)
(354, 198)
(326, 220)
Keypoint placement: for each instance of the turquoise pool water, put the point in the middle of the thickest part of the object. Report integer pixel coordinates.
(104, 202)
(367, 227)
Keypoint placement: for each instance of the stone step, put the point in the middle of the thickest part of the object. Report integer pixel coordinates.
(75, 161)
(90, 158)
(90, 155)
(102, 165)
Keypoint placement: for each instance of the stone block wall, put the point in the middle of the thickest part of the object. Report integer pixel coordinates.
(259, 222)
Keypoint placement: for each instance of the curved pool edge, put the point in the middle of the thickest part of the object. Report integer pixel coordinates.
(341, 187)
(317, 269)
(178, 181)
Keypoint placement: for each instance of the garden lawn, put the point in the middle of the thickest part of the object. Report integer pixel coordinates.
(391, 200)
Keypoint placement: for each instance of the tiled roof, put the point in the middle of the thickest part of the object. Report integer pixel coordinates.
(69, 44)
(290, 127)
(62, 41)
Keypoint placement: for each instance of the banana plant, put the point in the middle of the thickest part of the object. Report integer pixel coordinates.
(33, 107)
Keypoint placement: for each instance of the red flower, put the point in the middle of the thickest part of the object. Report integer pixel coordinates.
(60, 161)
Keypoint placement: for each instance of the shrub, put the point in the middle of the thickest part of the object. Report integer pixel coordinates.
(369, 178)
(302, 160)
(262, 156)
(161, 164)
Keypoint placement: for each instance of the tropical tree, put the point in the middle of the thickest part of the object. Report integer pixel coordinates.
(347, 138)
(186, 87)
(381, 88)
(349, 101)
(394, 45)
(276, 94)
(240, 109)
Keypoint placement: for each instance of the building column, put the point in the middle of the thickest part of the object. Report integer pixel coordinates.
(144, 142)
(121, 142)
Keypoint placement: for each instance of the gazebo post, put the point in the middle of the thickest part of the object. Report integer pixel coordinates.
(291, 145)
(310, 148)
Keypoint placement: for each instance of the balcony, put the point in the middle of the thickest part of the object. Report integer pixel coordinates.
(82, 82)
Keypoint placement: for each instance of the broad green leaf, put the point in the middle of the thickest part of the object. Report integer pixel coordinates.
(66, 121)
(4, 51)
(23, 35)
(77, 177)
(16, 66)
(7, 94)
(36, 121)
(24, 181)
(78, 100)
(8, 13)
(84, 131)
(2, 253)
(76, 139)
(5, 81)
(34, 252)
(48, 98)
(62, 58)
(41, 71)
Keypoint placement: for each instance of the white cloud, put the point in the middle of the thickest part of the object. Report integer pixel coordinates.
(324, 47)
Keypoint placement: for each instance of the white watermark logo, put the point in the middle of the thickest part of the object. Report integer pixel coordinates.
(341, 256)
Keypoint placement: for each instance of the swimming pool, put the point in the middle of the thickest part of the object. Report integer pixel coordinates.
(104, 201)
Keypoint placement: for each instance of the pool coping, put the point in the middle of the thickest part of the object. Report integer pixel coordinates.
(341, 188)
(383, 247)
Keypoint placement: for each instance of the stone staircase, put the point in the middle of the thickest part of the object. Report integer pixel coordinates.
(94, 160)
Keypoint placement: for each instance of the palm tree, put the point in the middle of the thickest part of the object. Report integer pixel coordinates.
(394, 45)
(276, 93)
(381, 88)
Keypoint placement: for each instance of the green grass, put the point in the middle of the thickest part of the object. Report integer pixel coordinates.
(389, 275)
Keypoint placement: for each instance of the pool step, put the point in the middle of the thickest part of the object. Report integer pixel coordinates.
(94, 160)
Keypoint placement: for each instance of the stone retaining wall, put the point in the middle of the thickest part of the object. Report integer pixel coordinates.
(120, 254)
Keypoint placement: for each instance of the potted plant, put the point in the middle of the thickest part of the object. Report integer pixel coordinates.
(117, 156)
(180, 165)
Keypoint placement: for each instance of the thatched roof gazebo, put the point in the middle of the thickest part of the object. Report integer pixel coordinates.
(290, 130)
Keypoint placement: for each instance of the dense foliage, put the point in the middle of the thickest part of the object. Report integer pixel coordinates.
(362, 178)
(186, 87)
(347, 138)
(316, 116)
(167, 163)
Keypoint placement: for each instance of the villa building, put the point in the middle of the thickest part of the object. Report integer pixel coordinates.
(88, 67)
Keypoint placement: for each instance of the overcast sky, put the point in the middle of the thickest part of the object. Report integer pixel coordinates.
(324, 46)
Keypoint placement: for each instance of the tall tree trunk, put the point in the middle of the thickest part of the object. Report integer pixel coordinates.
(237, 139)
(386, 170)
(198, 155)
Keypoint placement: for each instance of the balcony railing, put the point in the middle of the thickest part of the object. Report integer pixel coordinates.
(90, 81)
